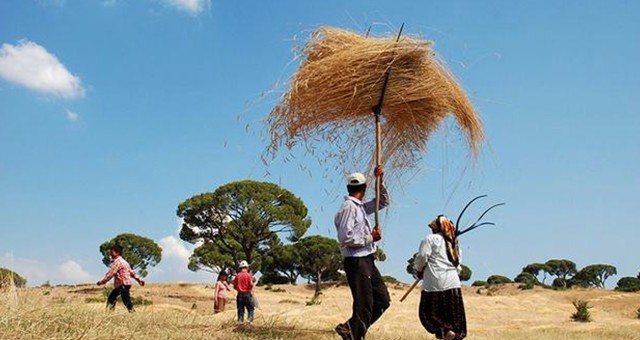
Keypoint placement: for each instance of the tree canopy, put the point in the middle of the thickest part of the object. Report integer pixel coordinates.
(561, 269)
(537, 269)
(628, 284)
(237, 222)
(465, 273)
(498, 279)
(139, 251)
(410, 262)
(594, 275)
(282, 260)
(320, 258)
(380, 255)
(8, 275)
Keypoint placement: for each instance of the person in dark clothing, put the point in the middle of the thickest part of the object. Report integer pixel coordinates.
(357, 242)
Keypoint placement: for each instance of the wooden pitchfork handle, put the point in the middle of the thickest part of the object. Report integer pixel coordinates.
(378, 163)
(410, 289)
(377, 110)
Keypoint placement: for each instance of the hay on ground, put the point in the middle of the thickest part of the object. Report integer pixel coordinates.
(328, 106)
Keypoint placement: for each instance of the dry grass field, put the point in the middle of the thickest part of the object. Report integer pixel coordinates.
(184, 311)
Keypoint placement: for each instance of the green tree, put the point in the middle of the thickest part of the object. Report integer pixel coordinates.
(628, 284)
(207, 257)
(239, 220)
(8, 276)
(526, 277)
(537, 269)
(410, 263)
(139, 251)
(498, 280)
(281, 260)
(594, 275)
(465, 273)
(601, 272)
(561, 269)
(320, 257)
(380, 255)
(560, 283)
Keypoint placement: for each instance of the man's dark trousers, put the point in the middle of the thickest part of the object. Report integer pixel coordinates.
(126, 297)
(370, 295)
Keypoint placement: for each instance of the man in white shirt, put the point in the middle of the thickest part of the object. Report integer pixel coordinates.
(441, 308)
(357, 244)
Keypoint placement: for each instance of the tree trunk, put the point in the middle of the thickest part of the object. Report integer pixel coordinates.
(318, 280)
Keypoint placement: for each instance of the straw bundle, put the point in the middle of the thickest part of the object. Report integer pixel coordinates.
(331, 97)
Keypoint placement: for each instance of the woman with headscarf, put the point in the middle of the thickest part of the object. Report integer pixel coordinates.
(437, 262)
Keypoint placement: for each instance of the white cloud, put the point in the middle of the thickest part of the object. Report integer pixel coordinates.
(71, 116)
(173, 267)
(29, 269)
(192, 6)
(174, 248)
(36, 272)
(32, 66)
(72, 271)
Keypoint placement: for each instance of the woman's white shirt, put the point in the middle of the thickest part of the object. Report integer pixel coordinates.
(439, 274)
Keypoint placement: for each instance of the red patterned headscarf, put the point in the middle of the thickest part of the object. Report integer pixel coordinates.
(443, 225)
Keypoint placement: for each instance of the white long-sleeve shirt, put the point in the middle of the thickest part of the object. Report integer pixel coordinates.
(439, 274)
(353, 226)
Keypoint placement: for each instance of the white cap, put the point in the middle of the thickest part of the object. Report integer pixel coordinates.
(244, 264)
(356, 178)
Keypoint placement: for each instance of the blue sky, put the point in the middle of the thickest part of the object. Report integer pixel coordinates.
(112, 112)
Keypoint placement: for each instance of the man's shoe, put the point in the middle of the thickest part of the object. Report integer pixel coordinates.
(450, 335)
(343, 331)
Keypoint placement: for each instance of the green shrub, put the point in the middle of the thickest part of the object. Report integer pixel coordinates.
(272, 278)
(559, 283)
(628, 284)
(465, 273)
(582, 313)
(479, 283)
(498, 280)
(525, 278)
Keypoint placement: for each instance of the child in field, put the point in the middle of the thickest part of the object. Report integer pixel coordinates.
(122, 274)
(220, 296)
(243, 283)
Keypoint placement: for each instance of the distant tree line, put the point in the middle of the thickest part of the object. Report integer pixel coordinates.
(564, 274)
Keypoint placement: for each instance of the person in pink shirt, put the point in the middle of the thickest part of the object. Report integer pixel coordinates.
(121, 272)
(220, 296)
(243, 284)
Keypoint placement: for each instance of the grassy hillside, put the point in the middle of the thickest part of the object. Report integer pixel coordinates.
(184, 311)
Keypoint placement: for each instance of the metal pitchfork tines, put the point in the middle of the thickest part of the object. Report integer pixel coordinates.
(475, 224)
